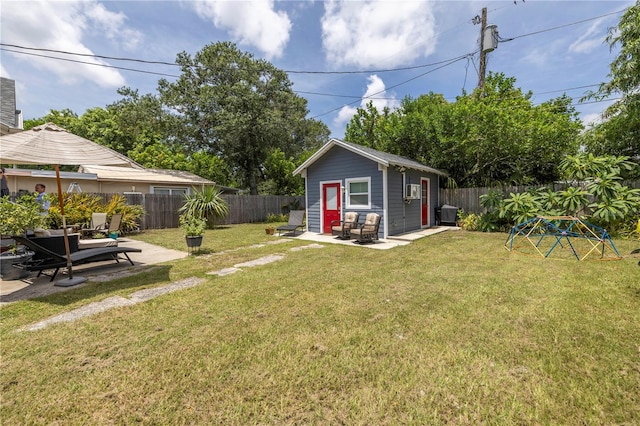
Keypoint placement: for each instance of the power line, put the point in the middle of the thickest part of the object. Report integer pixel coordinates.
(396, 85)
(88, 55)
(90, 63)
(504, 40)
(63, 52)
(380, 71)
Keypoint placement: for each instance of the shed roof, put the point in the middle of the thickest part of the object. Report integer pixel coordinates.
(379, 157)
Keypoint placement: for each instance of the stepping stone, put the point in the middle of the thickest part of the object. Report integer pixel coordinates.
(260, 261)
(310, 246)
(223, 272)
(84, 311)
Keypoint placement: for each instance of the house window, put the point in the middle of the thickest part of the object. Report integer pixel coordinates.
(358, 193)
(163, 190)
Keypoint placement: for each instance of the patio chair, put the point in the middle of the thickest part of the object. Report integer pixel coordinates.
(103, 227)
(45, 258)
(343, 228)
(368, 231)
(296, 219)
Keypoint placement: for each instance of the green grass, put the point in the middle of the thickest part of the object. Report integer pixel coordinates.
(450, 329)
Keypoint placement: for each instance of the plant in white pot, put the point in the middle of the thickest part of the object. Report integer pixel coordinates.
(193, 227)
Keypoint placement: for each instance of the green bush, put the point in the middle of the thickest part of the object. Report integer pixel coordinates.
(192, 225)
(79, 207)
(272, 218)
(24, 214)
(468, 221)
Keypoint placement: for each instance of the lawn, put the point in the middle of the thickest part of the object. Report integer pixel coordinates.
(452, 329)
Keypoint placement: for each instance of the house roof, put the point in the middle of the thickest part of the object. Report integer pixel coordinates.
(116, 173)
(379, 157)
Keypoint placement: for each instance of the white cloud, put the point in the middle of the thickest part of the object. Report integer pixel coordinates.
(112, 25)
(590, 40)
(253, 23)
(376, 94)
(377, 32)
(62, 26)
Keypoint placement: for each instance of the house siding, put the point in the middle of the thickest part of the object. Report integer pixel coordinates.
(339, 164)
(8, 102)
(406, 217)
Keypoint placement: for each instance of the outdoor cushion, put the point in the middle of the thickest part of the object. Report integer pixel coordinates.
(343, 228)
(368, 231)
(97, 242)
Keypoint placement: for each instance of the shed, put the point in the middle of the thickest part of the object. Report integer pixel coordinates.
(343, 176)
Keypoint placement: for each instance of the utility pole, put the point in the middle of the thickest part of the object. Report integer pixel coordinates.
(483, 54)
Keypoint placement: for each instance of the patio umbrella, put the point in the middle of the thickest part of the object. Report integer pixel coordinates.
(50, 144)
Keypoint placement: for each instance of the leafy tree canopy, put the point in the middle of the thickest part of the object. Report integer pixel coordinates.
(237, 107)
(619, 134)
(482, 139)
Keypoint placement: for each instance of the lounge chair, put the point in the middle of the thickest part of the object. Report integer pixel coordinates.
(45, 258)
(368, 231)
(296, 219)
(343, 228)
(103, 227)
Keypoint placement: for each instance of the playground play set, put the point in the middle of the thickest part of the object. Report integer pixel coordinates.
(543, 235)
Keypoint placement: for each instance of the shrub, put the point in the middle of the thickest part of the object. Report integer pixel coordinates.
(207, 204)
(468, 221)
(192, 225)
(272, 218)
(79, 207)
(16, 218)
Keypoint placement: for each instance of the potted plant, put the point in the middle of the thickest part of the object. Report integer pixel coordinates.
(15, 219)
(270, 230)
(193, 227)
(206, 203)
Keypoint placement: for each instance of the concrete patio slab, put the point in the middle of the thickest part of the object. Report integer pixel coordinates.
(382, 244)
(33, 286)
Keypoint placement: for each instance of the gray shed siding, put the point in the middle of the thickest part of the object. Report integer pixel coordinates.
(339, 164)
(407, 217)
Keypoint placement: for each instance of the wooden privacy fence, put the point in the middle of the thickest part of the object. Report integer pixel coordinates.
(161, 211)
(468, 199)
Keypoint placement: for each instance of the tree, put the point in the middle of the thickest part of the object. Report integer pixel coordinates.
(237, 107)
(495, 138)
(620, 133)
(279, 173)
(365, 127)
(65, 118)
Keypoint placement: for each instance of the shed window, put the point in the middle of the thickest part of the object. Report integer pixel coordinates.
(358, 193)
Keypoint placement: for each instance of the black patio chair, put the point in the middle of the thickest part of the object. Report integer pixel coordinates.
(296, 219)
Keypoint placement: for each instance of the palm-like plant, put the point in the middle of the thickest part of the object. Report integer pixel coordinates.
(520, 207)
(206, 203)
(574, 199)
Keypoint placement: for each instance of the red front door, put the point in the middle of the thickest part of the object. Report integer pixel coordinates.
(425, 202)
(330, 205)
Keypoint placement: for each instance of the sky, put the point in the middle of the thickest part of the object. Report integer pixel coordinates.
(339, 54)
